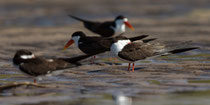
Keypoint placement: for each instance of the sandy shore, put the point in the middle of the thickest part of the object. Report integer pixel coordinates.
(44, 27)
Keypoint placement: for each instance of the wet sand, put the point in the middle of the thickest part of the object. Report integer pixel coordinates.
(44, 28)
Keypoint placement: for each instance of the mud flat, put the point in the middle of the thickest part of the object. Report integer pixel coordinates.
(44, 28)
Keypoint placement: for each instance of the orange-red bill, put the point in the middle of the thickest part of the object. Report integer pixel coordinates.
(129, 25)
(69, 43)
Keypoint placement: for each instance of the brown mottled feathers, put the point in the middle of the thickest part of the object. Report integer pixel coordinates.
(41, 66)
(136, 51)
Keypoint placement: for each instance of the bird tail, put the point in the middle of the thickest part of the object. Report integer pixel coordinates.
(182, 50)
(173, 48)
(178, 45)
(75, 60)
(138, 37)
(148, 40)
(77, 18)
(176, 51)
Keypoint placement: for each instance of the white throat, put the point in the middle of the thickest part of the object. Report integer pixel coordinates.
(118, 46)
(76, 40)
(120, 26)
(27, 56)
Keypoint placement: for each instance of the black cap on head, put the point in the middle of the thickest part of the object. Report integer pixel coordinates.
(79, 33)
(17, 58)
(119, 17)
(120, 37)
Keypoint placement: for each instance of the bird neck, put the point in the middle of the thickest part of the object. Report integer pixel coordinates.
(76, 40)
(119, 27)
(118, 46)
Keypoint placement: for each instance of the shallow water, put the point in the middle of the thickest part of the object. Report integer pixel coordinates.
(104, 85)
(44, 27)
(185, 98)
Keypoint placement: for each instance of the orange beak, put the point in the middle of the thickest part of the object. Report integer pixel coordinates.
(69, 43)
(129, 25)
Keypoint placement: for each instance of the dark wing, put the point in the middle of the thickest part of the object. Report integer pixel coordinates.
(104, 29)
(40, 66)
(93, 45)
(36, 67)
(91, 25)
(97, 27)
(175, 51)
(138, 37)
(75, 60)
(148, 40)
(140, 50)
(136, 51)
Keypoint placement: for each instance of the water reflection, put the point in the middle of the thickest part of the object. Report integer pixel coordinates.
(121, 99)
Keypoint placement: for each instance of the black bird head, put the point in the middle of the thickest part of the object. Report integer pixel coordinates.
(75, 38)
(22, 56)
(78, 33)
(123, 20)
(120, 17)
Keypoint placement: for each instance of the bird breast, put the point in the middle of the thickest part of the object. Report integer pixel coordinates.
(118, 46)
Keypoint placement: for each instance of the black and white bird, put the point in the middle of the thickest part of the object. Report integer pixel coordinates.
(95, 45)
(107, 29)
(31, 65)
(130, 52)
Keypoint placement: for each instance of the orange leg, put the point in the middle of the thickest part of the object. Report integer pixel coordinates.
(110, 59)
(115, 60)
(129, 65)
(34, 80)
(133, 67)
(93, 58)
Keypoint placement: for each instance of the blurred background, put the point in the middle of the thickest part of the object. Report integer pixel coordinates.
(43, 26)
(38, 13)
(54, 12)
(158, 18)
(43, 21)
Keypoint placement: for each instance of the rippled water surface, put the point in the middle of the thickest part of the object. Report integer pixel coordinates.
(44, 27)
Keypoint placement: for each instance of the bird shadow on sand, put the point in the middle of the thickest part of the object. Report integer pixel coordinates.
(139, 68)
(107, 63)
(115, 70)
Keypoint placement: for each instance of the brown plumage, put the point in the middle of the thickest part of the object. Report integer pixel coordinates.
(134, 51)
(35, 66)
